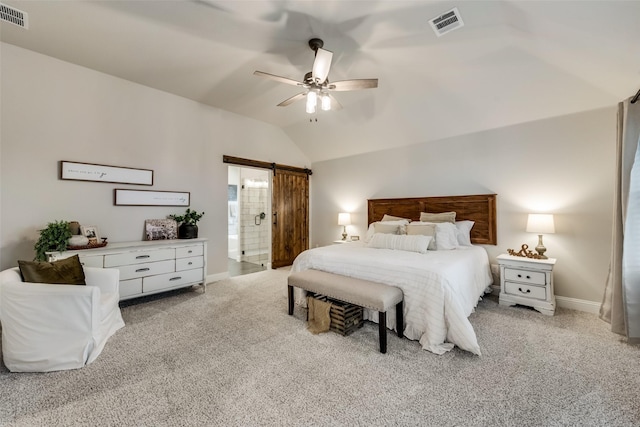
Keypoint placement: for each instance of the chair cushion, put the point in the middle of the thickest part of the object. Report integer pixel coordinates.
(67, 271)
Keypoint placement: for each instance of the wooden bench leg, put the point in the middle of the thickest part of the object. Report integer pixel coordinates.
(400, 319)
(290, 300)
(382, 328)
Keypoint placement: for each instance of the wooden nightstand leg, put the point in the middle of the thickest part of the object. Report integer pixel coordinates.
(290, 299)
(382, 330)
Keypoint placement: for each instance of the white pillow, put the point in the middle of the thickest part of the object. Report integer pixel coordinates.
(464, 232)
(446, 236)
(416, 243)
(372, 228)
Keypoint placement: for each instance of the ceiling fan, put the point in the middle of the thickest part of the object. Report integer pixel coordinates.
(316, 82)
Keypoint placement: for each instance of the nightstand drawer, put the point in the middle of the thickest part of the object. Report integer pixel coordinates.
(523, 290)
(172, 280)
(525, 276)
(142, 270)
(189, 251)
(139, 257)
(189, 263)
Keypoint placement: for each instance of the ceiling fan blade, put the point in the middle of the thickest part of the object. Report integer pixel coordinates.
(321, 65)
(355, 84)
(291, 100)
(278, 78)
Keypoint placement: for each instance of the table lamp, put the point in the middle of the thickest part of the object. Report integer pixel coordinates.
(541, 224)
(344, 219)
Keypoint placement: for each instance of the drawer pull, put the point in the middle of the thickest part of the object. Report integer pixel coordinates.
(141, 269)
(527, 277)
(142, 256)
(189, 251)
(190, 263)
(528, 291)
(175, 278)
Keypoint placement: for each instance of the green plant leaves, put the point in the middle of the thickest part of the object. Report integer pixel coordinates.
(54, 237)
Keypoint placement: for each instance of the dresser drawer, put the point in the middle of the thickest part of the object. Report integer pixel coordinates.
(147, 269)
(523, 290)
(138, 257)
(189, 263)
(171, 280)
(130, 287)
(92, 261)
(189, 251)
(525, 276)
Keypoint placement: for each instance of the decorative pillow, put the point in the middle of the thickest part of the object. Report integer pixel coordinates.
(438, 217)
(464, 232)
(417, 243)
(387, 218)
(381, 227)
(372, 228)
(67, 271)
(446, 236)
(423, 229)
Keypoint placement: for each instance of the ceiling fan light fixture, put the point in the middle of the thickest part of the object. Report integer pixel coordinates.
(312, 100)
(321, 65)
(325, 102)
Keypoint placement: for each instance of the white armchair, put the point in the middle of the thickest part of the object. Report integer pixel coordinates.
(55, 327)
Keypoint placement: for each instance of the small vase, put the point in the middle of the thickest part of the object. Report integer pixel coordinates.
(74, 227)
(187, 231)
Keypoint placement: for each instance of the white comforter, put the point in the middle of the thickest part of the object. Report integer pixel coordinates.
(441, 288)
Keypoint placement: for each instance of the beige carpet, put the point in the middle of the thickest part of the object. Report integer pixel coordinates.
(233, 357)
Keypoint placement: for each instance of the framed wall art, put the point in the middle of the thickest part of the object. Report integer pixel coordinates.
(161, 229)
(76, 171)
(124, 197)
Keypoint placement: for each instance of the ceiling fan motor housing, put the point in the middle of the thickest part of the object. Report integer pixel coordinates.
(316, 44)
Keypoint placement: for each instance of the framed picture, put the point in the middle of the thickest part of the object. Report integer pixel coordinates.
(355, 238)
(123, 197)
(161, 229)
(91, 232)
(76, 171)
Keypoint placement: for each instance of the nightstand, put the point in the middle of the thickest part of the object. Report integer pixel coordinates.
(527, 281)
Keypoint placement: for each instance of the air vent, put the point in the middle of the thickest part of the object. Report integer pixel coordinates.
(14, 16)
(446, 22)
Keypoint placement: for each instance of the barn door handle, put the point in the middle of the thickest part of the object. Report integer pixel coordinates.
(275, 218)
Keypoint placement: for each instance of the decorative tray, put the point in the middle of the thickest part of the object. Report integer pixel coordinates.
(90, 246)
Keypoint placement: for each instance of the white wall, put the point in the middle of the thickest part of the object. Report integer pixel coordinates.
(53, 110)
(563, 166)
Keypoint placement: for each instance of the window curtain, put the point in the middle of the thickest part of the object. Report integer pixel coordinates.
(621, 302)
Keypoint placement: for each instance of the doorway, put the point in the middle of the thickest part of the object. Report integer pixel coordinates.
(249, 225)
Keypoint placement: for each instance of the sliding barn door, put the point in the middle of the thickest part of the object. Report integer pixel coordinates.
(290, 208)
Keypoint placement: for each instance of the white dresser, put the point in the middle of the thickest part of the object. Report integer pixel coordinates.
(527, 281)
(149, 267)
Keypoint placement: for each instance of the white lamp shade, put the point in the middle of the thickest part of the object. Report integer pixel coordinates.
(541, 224)
(344, 218)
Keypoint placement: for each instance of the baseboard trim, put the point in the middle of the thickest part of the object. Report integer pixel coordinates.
(217, 277)
(578, 304)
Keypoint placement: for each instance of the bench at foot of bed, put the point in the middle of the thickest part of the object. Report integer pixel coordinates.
(371, 295)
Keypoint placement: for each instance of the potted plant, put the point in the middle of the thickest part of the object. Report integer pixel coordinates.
(55, 237)
(188, 228)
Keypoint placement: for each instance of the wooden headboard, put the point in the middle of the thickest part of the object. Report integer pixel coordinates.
(480, 208)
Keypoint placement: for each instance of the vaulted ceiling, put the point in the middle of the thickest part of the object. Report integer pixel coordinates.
(511, 62)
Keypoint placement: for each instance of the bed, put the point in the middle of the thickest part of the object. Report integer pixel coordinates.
(441, 287)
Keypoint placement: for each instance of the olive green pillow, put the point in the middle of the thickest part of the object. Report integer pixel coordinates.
(67, 271)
